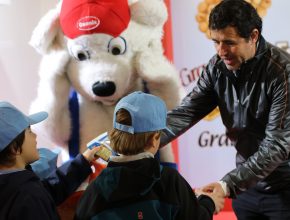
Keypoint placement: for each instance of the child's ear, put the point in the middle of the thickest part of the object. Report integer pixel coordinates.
(157, 135)
(15, 150)
(151, 141)
(156, 139)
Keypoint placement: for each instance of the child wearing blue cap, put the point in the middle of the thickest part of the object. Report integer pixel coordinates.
(134, 185)
(23, 195)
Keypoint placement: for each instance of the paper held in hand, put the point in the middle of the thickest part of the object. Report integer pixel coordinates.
(103, 142)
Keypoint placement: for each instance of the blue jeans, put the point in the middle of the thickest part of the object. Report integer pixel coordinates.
(255, 205)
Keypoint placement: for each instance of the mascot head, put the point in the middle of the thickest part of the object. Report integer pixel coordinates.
(104, 49)
(107, 41)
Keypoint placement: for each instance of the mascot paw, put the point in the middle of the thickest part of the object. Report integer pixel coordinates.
(153, 67)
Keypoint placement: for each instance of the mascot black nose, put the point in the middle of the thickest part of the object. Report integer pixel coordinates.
(104, 88)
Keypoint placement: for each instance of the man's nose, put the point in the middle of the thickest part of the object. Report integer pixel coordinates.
(222, 49)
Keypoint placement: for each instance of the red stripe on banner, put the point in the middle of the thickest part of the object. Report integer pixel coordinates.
(167, 39)
(168, 52)
(175, 151)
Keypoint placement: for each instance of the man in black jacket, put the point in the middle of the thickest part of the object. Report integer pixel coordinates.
(248, 79)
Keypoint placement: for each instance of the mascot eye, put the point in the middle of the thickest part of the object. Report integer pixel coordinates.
(79, 52)
(83, 55)
(117, 46)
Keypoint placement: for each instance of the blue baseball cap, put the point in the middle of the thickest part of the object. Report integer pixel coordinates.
(148, 113)
(13, 122)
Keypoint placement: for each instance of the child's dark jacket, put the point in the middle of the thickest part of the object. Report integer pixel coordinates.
(24, 196)
(142, 189)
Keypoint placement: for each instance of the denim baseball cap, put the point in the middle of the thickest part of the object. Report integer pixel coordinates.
(148, 113)
(13, 122)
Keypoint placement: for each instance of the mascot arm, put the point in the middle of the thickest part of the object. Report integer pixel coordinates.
(161, 77)
(152, 66)
(54, 86)
(162, 80)
(149, 12)
(52, 96)
(47, 35)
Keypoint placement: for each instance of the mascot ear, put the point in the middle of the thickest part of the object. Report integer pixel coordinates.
(149, 12)
(48, 35)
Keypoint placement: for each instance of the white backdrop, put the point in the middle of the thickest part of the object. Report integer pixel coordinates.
(18, 61)
(200, 163)
(204, 155)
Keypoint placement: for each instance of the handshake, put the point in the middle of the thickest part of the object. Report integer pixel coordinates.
(217, 192)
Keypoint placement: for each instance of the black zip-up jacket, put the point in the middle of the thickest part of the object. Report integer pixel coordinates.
(254, 107)
(142, 189)
(24, 196)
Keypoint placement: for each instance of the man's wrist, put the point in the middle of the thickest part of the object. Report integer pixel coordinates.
(225, 188)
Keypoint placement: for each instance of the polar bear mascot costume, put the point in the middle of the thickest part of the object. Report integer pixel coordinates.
(103, 50)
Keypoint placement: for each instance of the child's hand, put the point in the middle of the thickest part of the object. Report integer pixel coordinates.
(104, 153)
(91, 154)
(103, 144)
(216, 193)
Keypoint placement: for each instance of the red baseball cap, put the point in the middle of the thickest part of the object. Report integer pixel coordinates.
(79, 17)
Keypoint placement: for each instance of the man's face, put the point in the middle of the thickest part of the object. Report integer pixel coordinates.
(233, 49)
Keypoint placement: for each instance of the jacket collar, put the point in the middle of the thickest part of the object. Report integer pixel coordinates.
(127, 180)
(125, 158)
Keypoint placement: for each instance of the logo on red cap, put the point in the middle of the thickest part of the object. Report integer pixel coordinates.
(81, 17)
(88, 23)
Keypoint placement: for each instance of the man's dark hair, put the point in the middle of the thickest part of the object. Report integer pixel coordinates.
(8, 155)
(235, 13)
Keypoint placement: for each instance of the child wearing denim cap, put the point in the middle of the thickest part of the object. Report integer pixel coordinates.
(134, 185)
(23, 195)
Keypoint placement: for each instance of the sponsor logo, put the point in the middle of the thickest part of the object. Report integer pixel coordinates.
(88, 23)
(207, 139)
(283, 45)
(212, 115)
(188, 77)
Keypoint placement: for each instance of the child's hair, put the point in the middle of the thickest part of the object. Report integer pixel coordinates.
(126, 143)
(8, 155)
